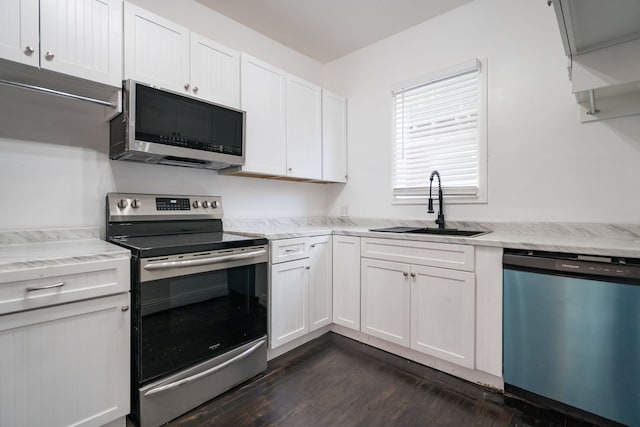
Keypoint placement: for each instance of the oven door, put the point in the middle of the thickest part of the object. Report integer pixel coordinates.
(196, 307)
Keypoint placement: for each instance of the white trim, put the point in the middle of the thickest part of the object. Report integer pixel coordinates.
(463, 67)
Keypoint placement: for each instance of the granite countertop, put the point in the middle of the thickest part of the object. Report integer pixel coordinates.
(30, 249)
(591, 239)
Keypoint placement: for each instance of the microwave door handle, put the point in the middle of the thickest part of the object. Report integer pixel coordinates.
(166, 265)
(208, 372)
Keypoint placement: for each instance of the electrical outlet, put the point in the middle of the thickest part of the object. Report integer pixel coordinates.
(344, 210)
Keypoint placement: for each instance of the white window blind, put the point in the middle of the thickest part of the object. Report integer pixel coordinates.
(436, 127)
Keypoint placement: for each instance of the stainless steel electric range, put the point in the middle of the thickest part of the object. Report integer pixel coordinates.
(199, 296)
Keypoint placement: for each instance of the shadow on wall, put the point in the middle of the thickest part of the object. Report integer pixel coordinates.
(628, 128)
(32, 116)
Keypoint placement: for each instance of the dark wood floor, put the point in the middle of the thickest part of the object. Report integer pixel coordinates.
(335, 381)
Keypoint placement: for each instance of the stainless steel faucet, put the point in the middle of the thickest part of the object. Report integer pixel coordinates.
(440, 219)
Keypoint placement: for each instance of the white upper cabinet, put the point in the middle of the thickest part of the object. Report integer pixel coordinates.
(334, 137)
(263, 98)
(19, 34)
(156, 50)
(603, 41)
(164, 54)
(215, 71)
(303, 124)
(80, 38)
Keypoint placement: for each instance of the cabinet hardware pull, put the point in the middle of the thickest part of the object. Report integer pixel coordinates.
(41, 288)
(307, 267)
(405, 274)
(288, 251)
(413, 274)
(195, 89)
(29, 50)
(48, 56)
(313, 246)
(125, 308)
(58, 93)
(186, 86)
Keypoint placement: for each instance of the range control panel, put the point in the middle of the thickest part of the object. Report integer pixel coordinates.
(150, 207)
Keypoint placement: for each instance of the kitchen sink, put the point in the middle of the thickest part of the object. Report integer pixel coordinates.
(432, 231)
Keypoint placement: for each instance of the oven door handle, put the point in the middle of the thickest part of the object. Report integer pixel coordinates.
(208, 372)
(202, 261)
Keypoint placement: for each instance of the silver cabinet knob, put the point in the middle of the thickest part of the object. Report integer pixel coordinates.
(48, 56)
(290, 169)
(205, 204)
(186, 86)
(135, 203)
(413, 274)
(124, 308)
(195, 89)
(308, 267)
(122, 203)
(29, 50)
(405, 274)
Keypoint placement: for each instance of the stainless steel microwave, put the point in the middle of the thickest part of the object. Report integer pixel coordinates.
(164, 127)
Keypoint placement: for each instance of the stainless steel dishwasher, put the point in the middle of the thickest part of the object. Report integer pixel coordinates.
(572, 332)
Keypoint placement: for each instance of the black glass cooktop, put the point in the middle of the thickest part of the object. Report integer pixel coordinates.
(173, 244)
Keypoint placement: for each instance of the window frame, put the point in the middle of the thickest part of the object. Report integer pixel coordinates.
(481, 197)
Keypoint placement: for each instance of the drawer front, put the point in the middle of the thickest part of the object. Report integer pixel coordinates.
(444, 255)
(29, 289)
(289, 249)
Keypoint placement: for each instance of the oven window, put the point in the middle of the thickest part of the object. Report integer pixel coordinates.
(189, 319)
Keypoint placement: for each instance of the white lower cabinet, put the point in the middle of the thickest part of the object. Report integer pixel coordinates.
(301, 292)
(320, 282)
(66, 365)
(346, 281)
(443, 314)
(386, 300)
(289, 301)
(418, 304)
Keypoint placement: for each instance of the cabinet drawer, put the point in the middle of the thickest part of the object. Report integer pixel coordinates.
(445, 255)
(41, 287)
(289, 249)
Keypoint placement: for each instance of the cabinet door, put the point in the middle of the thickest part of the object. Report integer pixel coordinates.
(346, 281)
(156, 50)
(289, 301)
(443, 314)
(386, 300)
(82, 38)
(320, 282)
(263, 98)
(304, 129)
(334, 137)
(215, 71)
(19, 34)
(66, 365)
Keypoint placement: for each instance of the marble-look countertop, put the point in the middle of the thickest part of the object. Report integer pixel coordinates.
(30, 249)
(619, 240)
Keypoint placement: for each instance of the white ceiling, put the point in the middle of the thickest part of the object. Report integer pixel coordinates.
(329, 29)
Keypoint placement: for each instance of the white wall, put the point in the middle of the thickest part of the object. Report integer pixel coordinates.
(544, 165)
(54, 164)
